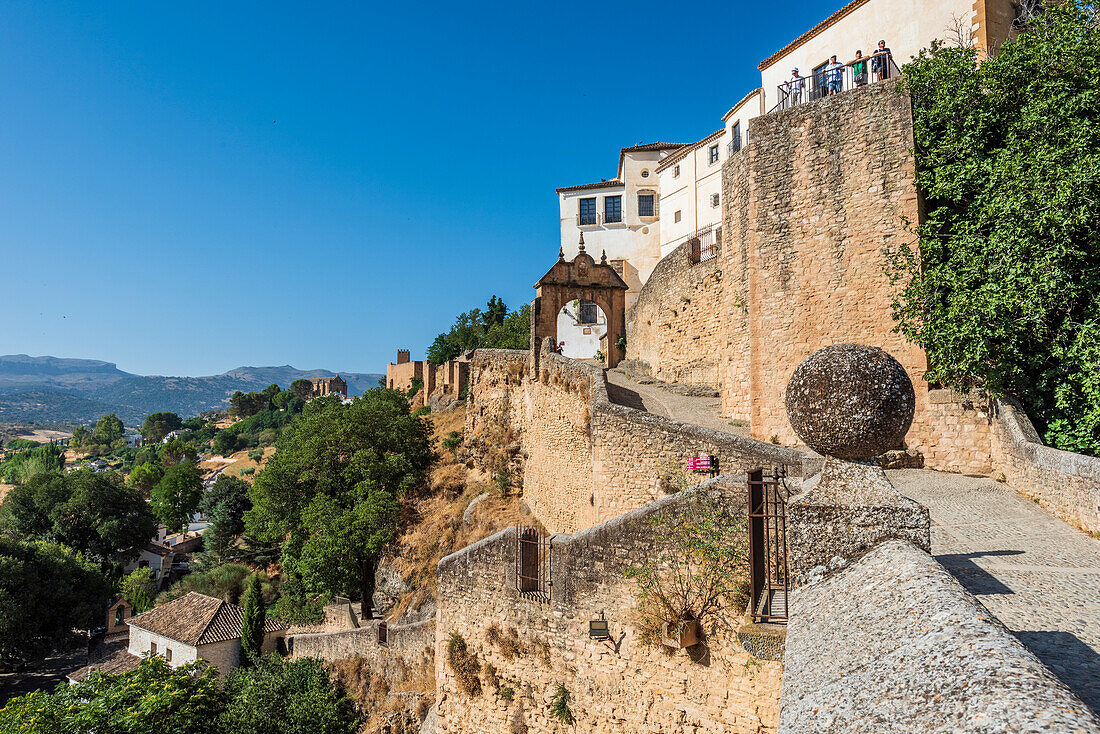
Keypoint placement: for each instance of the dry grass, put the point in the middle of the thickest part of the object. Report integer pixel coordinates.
(241, 461)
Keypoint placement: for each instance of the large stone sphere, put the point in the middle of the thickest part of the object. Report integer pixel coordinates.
(850, 401)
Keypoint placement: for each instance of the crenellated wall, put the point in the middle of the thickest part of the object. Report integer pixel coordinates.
(621, 686)
(586, 459)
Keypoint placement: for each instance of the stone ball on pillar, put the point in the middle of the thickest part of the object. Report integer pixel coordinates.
(850, 401)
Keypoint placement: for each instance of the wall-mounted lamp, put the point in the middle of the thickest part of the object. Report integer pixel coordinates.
(598, 629)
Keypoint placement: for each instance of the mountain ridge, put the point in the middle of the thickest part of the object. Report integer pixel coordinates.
(50, 389)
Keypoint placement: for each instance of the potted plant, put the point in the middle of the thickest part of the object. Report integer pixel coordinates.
(684, 633)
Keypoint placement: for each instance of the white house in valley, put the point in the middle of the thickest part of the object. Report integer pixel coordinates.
(196, 626)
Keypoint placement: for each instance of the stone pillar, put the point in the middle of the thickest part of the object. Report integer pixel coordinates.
(849, 402)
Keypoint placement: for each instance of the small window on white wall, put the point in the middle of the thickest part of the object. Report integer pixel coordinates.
(676, 216)
(715, 199)
(645, 173)
(676, 171)
(714, 154)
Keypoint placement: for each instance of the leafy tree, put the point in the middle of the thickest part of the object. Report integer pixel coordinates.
(280, 696)
(47, 594)
(252, 628)
(303, 388)
(224, 506)
(108, 433)
(1002, 294)
(32, 462)
(144, 477)
(178, 450)
(494, 328)
(95, 514)
(335, 478)
(17, 444)
(228, 581)
(139, 588)
(176, 497)
(153, 698)
(158, 425)
(81, 437)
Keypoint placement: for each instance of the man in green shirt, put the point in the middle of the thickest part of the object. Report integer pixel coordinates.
(859, 69)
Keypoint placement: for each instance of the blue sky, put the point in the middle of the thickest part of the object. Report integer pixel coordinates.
(190, 187)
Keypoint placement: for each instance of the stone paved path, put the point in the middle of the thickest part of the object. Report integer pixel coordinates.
(1036, 574)
(700, 411)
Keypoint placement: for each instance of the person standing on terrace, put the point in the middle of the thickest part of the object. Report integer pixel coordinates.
(796, 85)
(859, 69)
(834, 76)
(880, 62)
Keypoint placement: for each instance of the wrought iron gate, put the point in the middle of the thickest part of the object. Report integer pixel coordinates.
(768, 494)
(533, 564)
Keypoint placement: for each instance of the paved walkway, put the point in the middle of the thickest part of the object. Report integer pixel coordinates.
(700, 411)
(1035, 573)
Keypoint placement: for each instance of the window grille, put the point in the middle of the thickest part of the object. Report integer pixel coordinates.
(612, 209)
(587, 211)
(533, 564)
(645, 205)
(589, 313)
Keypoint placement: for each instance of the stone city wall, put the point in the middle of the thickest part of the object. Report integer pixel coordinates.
(812, 208)
(586, 459)
(1064, 483)
(620, 686)
(895, 643)
(675, 326)
(411, 644)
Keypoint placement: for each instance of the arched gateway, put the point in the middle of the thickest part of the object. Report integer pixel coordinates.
(582, 279)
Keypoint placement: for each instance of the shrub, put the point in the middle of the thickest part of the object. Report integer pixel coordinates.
(256, 455)
(507, 641)
(248, 470)
(452, 442)
(696, 573)
(559, 705)
(464, 665)
(1002, 294)
(507, 693)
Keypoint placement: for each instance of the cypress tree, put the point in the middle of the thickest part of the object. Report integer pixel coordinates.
(252, 629)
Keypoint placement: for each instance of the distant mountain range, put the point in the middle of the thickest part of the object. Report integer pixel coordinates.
(57, 390)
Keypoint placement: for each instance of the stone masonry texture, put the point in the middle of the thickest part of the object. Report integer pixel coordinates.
(588, 460)
(676, 324)
(894, 643)
(617, 686)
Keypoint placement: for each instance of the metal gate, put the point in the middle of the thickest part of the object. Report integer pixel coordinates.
(533, 564)
(768, 494)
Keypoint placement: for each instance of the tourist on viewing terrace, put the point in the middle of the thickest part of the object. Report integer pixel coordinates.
(880, 62)
(796, 84)
(859, 69)
(834, 76)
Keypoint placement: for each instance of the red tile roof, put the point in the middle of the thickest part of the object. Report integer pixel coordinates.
(601, 185)
(197, 619)
(117, 660)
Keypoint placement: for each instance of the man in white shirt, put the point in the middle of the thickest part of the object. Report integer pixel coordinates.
(834, 76)
(795, 87)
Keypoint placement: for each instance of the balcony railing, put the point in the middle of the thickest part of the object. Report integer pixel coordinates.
(826, 82)
(734, 145)
(703, 244)
(599, 219)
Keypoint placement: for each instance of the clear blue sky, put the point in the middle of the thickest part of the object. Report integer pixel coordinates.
(190, 187)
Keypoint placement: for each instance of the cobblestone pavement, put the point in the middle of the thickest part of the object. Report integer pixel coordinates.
(700, 411)
(1035, 573)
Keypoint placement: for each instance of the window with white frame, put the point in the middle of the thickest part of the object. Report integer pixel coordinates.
(713, 154)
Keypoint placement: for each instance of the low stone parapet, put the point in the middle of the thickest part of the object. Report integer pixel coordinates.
(894, 643)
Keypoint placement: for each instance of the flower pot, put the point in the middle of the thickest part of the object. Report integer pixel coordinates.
(683, 635)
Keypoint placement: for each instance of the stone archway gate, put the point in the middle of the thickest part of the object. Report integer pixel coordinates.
(586, 280)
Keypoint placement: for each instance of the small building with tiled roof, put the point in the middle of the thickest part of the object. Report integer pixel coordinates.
(197, 626)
